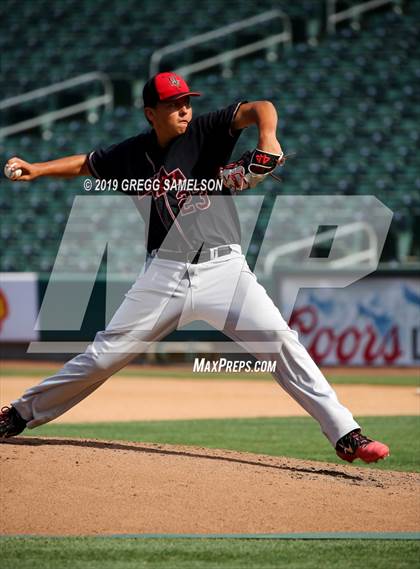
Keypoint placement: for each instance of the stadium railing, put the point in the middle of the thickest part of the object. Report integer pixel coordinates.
(354, 12)
(267, 42)
(44, 119)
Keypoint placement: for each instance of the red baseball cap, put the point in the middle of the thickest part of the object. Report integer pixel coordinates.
(167, 86)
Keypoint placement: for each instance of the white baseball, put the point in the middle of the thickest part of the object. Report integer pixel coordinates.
(12, 174)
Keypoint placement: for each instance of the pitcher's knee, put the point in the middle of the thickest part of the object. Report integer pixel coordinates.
(280, 338)
(90, 364)
(103, 363)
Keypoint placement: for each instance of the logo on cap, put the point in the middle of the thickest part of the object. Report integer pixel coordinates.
(174, 82)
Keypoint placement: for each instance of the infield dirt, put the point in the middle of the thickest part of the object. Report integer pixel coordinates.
(85, 487)
(153, 398)
(82, 487)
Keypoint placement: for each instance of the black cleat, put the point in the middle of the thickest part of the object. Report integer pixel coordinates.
(355, 445)
(11, 423)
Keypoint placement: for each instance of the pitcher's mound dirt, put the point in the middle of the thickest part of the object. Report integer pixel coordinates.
(65, 486)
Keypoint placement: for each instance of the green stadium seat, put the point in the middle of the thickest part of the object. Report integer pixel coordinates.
(347, 106)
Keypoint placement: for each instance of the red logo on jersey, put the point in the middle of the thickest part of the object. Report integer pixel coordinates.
(166, 180)
(169, 181)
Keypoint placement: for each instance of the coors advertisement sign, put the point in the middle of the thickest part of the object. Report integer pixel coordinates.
(373, 322)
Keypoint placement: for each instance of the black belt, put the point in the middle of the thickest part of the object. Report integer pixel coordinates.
(194, 257)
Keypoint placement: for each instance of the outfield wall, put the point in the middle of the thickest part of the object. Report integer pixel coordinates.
(373, 322)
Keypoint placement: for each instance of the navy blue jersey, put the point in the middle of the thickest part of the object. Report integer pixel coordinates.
(196, 217)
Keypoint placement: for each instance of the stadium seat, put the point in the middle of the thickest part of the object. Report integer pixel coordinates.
(347, 107)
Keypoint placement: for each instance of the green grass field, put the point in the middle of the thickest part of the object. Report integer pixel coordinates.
(297, 437)
(103, 553)
(186, 373)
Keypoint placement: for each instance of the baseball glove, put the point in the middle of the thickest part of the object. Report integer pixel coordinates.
(251, 169)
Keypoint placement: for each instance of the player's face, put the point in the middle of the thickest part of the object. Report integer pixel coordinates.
(171, 118)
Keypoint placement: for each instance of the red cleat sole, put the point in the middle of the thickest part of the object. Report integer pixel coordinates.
(372, 452)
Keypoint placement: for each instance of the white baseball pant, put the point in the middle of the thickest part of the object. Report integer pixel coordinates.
(168, 294)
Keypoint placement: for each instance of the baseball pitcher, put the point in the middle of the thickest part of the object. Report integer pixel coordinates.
(195, 269)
